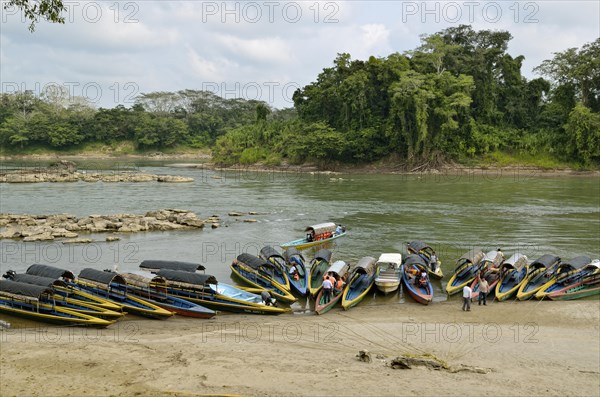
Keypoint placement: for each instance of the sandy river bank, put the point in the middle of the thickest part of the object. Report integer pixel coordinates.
(526, 348)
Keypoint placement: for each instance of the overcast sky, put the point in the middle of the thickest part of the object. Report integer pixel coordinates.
(110, 51)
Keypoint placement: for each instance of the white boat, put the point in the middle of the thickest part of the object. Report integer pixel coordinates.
(389, 272)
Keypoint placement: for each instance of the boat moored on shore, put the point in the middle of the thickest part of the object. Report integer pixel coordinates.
(361, 279)
(388, 274)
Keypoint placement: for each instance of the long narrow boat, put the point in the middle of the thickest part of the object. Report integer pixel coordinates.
(280, 273)
(74, 304)
(489, 269)
(204, 290)
(70, 291)
(512, 275)
(25, 300)
(467, 268)
(153, 288)
(540, 272)
(318, 268)
(413, 269)
(434, 265)
(299, 277)
(339, 269)
(315, 235)
(585, 287)
(567, 273)
(153, 265)
(259, 273)
(112, 286)
(389, 272)
(360, 282)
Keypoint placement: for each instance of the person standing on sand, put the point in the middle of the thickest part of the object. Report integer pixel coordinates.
(467, 298)
(484, 289)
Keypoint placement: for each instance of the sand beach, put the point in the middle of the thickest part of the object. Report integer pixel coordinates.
(510, 348)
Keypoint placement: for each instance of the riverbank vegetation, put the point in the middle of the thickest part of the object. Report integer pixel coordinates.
(460, 96)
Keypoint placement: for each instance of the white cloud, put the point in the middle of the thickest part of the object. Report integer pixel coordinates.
(264, 50)
(178, 45)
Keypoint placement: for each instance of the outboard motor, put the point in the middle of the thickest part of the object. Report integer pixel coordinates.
(10, 275)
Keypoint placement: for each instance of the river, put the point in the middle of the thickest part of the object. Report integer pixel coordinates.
(516, 211)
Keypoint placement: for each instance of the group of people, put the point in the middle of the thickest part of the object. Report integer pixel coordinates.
(484, 289)
(331, 282)
(420, 278)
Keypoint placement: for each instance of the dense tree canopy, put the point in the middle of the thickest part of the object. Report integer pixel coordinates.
(459, 95)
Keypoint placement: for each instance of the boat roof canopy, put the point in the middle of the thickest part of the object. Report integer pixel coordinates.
(38, 280)
(593, 265)
(269, 252)
(338, 267)
(366, 265)
(546, 260)
(323, 254)
(102, 277)
(290, 252)
(516, 261)
(414, 259)
(187, 277)
(474, 256)
(321, 228)
(143, 279)
(156, 265)
(24, 289)
(49, 271)
(394, 258)
(578, 262)
(491, 256)
(253, 261)
(418, 245)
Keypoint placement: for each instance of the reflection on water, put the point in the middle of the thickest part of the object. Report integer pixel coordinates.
(453, 213)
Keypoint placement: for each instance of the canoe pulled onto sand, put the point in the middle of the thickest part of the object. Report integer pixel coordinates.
(259, 273)
(25, 300)
(412, 270)
(318, 268)
(360, 282)
(339, 269)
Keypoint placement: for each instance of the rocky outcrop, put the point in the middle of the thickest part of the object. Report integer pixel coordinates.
(93, 177)
(49, 227)
(66, 171)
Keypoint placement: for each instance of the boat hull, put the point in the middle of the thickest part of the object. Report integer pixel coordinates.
(422, 295)
(510, 283)
(87, 308)
(315, 277)
(576, 291)
(322, 308)
(356, 290)
(263, 282)
(131, 304)
(226, 301)
(48, 314)
(173, 304)
(387, 287)
(438, 274)
(463, 276)
(532, 284)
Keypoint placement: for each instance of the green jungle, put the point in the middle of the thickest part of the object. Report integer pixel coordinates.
(458, 97)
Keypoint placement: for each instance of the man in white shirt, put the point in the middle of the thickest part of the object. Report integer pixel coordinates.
(327, 286)
(467, 298)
